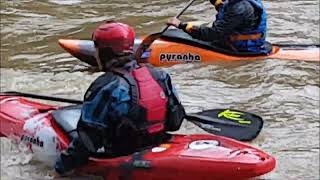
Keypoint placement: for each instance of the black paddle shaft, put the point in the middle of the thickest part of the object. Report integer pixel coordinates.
(230, 123)
(50, 98)
(179, 14)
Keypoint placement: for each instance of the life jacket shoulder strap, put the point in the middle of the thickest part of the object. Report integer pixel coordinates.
(156, 75)
(132, 83)
(99, 83)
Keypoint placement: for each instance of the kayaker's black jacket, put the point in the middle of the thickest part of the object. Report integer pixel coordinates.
(239, 17)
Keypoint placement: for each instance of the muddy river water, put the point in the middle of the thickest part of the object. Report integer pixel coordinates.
(284, 93)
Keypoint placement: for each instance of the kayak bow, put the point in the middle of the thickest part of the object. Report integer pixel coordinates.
(176, 47)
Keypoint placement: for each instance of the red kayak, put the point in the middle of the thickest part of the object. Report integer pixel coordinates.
(47, 130)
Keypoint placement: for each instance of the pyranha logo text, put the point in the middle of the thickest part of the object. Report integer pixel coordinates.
(32, 140)
(179, 57)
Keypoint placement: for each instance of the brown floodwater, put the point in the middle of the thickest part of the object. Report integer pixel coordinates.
(284, 93)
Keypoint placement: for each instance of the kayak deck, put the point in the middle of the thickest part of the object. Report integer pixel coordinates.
(181, 157)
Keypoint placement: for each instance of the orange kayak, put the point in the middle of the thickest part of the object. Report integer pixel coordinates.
(177, 47)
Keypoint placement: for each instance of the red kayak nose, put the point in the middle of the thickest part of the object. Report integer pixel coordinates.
(81, 49)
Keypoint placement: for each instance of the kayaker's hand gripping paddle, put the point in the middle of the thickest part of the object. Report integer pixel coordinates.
(145, 44)
(230, 123)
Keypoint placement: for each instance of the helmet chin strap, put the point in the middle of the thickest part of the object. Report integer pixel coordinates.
(98, 59)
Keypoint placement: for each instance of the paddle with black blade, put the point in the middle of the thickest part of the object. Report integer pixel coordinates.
(230, 123)
(145, 44)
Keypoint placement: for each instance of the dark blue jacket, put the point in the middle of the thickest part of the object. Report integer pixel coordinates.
(108, 98)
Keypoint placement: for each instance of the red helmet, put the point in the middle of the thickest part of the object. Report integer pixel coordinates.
(118, 36)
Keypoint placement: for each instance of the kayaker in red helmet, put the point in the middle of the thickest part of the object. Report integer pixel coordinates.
(126, 109)
(239, 26)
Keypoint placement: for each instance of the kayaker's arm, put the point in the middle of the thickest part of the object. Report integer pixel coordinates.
(233, 20)
(218, 30)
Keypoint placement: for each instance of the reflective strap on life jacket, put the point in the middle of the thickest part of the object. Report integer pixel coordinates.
(245, 37)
